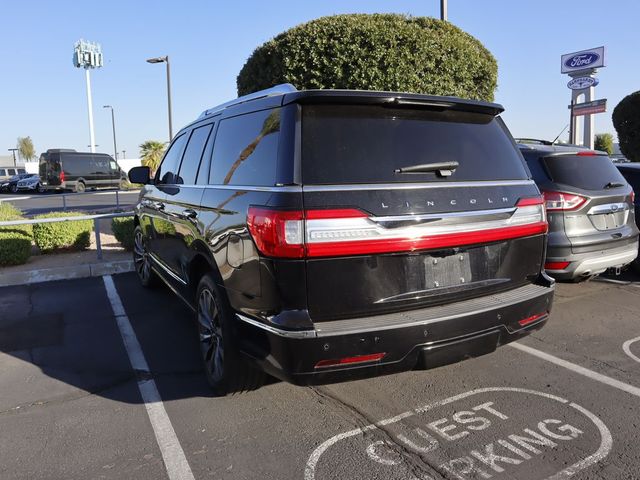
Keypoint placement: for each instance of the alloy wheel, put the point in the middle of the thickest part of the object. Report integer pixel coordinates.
(141, 257)
(210, 333)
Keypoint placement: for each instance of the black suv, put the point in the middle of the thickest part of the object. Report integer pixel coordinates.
(322, 235)
(590, 207)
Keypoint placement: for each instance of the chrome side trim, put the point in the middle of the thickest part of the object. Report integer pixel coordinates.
(278, 331)
(412, 186)
(251, 188)
(165, 269)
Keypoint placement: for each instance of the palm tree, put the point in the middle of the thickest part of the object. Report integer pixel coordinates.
(151, 153)
(26, 148)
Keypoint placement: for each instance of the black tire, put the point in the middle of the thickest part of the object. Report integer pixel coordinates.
(122, 185)
(40, 189)
(80, 187)
(635, 265)
(13, 189)
(226, 370)
(141, 261)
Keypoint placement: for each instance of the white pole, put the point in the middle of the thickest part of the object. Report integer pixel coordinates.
(90, 104)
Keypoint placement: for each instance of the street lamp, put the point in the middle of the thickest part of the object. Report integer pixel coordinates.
(113, 126)
(13, 150)
(165, 59)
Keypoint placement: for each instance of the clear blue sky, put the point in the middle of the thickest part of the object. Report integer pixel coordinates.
(43, 95)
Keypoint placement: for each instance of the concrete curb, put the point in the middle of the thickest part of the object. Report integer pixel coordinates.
(65, 273)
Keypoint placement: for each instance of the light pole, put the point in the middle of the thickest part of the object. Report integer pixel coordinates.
(113, 126)
(13, 150)
(165, 59)
(443, 9)
(88, 55)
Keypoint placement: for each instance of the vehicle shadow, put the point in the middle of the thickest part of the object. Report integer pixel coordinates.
(68, 331)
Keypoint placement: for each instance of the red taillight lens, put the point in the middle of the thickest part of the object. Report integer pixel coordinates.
(62, 176)
(277, 233)
(632, 197)
(373, 357)
(587, 153)
(555, 201)
(342, 232)
(556, 265)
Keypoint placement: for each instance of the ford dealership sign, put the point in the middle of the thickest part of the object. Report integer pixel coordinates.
(578, 83)
(584, 60)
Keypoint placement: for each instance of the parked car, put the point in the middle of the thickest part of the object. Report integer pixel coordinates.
(7, 172)
(323, 235)
(30, 182)
(631, 172)
(62, 169)
(11, 184)
(590, 210)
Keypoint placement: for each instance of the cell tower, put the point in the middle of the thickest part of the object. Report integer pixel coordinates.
(88, 55)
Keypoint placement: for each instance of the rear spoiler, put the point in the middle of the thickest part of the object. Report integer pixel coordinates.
(392, 99)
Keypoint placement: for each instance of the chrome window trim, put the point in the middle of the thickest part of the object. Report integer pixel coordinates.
(278, 331)
(411, 186)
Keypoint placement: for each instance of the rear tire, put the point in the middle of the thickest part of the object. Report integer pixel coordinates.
(40, 189)
(225, 369)
(141, 261)
(80, 187)
(635, 265)
(13, 189)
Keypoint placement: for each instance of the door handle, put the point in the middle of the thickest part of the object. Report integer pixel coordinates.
(190, 213)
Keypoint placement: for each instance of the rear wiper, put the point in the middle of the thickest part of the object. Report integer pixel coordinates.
(444, 169)
(613, 185)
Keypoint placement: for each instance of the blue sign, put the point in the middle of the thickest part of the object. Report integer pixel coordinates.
(584, 60)
(579, 83)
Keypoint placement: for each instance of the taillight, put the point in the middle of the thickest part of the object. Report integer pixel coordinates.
(62, 176)
(348, 231)
(587, 153)
(632, 197)
(531, 319)
(562, 201)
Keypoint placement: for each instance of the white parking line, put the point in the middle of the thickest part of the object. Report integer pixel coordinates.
(174, 459)
(598, 377)
(626, 346)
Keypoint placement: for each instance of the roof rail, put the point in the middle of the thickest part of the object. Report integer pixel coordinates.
(281, 89)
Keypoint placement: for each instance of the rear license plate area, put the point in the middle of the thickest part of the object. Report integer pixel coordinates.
(447, 271)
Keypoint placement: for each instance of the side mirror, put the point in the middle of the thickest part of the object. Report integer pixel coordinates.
(140, 175)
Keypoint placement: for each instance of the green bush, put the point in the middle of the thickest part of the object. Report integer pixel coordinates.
(15, 241)
(123, 228)
(626, 120)
(15, 246)
(72, 235)
(374, 52)
(604, 142)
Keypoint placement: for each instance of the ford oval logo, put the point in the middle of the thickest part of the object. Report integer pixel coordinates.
(579, 83)
(582, 61)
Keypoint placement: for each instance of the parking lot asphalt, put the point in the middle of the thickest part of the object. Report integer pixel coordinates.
(562, 405)
(35, 204)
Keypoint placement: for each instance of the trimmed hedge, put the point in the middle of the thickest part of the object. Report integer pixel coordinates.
(123, 228)
(386, 52)
(626, 120)
(15, 242)
(74, 235)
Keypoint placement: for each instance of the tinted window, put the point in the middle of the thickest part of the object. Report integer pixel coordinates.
(167, 172)
(587, 172)
(77, 165)
(3, 172)
(21, 170)
(246, 149)
(99, 164)
(193, 155)
(12, 171)
(366, 144)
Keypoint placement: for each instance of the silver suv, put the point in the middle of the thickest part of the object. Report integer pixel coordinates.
(590, 210)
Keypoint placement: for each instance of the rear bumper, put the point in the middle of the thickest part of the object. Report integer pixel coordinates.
(425, 338)
(593, 263)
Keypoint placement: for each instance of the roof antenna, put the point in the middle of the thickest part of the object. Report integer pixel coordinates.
(561, 132)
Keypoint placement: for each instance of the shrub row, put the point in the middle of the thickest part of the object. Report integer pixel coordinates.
(15, 242)
(123, 228)
(72, 235)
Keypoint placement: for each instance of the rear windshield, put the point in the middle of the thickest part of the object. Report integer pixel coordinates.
(365, 144)
(585, 172)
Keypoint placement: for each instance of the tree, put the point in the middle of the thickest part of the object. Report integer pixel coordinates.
(626, 120)
(604, 142)
(374, 52)
(151, 153)
(25, 147)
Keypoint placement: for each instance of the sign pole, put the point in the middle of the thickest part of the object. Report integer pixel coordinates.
(90, 105)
